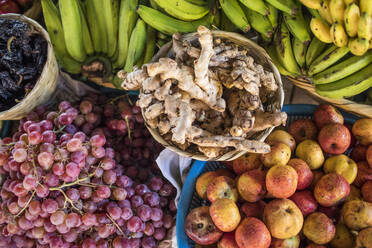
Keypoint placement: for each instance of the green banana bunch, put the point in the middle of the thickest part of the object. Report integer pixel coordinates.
(327, 58)
(150, 44)
(236, 14)
(88, 43)
(259, 22)
(258, 5)
(297, 26)
(95, 31)
(183, 9)
(273, 15)
(286, 6)
(137, 45)
(101, 25)
(299, 51)
(315, 48)
(110, 14)
(274, 57)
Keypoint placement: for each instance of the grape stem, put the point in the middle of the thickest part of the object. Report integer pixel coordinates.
(115, 224)
(27, 203)
(60, 130)
(70, 201)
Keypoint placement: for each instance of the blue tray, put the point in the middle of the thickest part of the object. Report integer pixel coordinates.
(189, 198)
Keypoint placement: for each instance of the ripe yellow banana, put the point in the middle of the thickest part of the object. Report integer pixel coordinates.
(337, 8)
(312, 4)
(315, 48)
(321, 30)
(183, 10)
(351, 19)
(273, 15)
(338, 35)
(365, 26)
(259, 22)
(365, 6)
(235, 13)
(137, 44)
(258, 5)
(358, 46)
(327, 58)
(325, 11)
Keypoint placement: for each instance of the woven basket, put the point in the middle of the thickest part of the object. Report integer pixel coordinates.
(260, 56)
(347, 105)
(45, 85)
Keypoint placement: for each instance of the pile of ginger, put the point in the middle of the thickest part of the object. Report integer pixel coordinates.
(207, 97)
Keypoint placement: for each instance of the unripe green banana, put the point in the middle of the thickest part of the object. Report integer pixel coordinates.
(338, 34)
(315, 48)
(259, 22)
(137, 44)
(95, 33)
(71, 22)
(312, 4)
(365, 26)
(101, 24)
(321, 30)
(299, 51)
(337, 8)
(150, 44)
(365, 6)
(274, 57)
(54, 26)
(284, 50)
(198, 2)
(154, 5)
(350, 86)
(88, 43)
(183, 10)
(358, 46)
(169, 25)
(258, 5)
(343, 69)
(315, 13)
(235, 13)
(273, 15)
(226, 24)
(297, 26)
(127, 21)
(111, 25)
(351, 19)
(287, 6)
(325, 11)
(327, 58)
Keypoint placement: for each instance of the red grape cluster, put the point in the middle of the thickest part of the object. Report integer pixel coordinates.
(83, 176)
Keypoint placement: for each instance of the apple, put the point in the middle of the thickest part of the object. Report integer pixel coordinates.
(315, 246)
(305, 201)
(364, 238)
(310, 152)
(246, 163)
(343, 165)
(355, 194)
(8, 6)
(281, 136)
(334, 138)
(353, 140)
(331, 212)
(317, 175)
(343, 237)
(222, 187)
(319, 228)
(225, 172)
(252, 233)
(283, 218)
(305, 175)
(225, 214)
(293, 242)
(279, 154)
(251, 185)
(367, 191)
(202, 183)
(227, 241)
(359, 153)
(357, 214)
(200, 227)
(364, 173)
(325, 114)
(281, 181)
(331, 189)
(362, 130)
(303, 129)
(369, 156)
(228, 164)
(254, 209)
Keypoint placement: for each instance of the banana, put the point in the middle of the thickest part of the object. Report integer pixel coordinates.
(321, 30)
(327, 58)
(338, 35)
(358, 46)
(71, 22)
(343, 69)
(351, 19)
(198, 2)
(259, 22)
(370, 44)
(169, 25)
(297, 26)
(150, 44)
(111, 25)
(347, 2)
(88, 43)
(287, 6)
(325, 11)
(226, 24)
(93, 26)
(274, 57)
(337, 8)
(315, 13)
(101, 24)
(258, 5)
(273, 15)
(54, 26)
(235, 13)
(217, 18)
(154, 5)
(312, 4)
(183, 10)
(365, 6)
(349, 86)
(365, 26)
(137, 44)
(127, 21)
(299, 51)
(284, 50)
(315, 48)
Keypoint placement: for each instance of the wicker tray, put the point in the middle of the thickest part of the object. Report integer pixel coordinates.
(189, 198)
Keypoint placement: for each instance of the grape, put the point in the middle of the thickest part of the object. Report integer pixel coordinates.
(119, 194)
(152, 199)
(42, 191)
(98, 140)
(172, 206)
(78, 157)
(49, 227)
(85, 192)
(12, 228)
(156, 214)
(46, 125)
(22, 201)
(65, 119)
(98, 152)
(20, 155)
(148, 242)
(136, 201)
(114, 212)
(45, 160)
(73, 194)
(157, 224)
(89, 206)
(57, 218)
(79, 120)
(107, 163)
(132, 171)
(34, 208)
(62, 228)
(34, 138)
(159, 233)
(141, 189)
(126, 213)
(149, 229)
(80, 135)
(49, 206)
(34, 127)
(109, 177)
(89, 219)
(72, 170)
(105, 230)
(124, 203)
(38, 232)
(130, 192)
(19, 190)
(155, 183)
(48, 136)
(103, 219)
(167, 221)
(74, 145)
(47, 147)
(70, 236)
(124, 181)
(134, 224)
(103, 191)
(39, 222)
(64, 105)
(51, 179)
(72, 220)
(144, 212)
(14, 208)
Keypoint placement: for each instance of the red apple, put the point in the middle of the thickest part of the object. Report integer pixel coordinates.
(369, 156)
(333, 212)
(334, 138)
(326, 114)
(359, 153)
(367, 191)
(364, 174)
(8, 6)
(305, 201)
(281, 181)
(252, 233)
(331, 189)
(305, 175)
(303, 129)
(254, 209)
(227, 241)
(353, 139)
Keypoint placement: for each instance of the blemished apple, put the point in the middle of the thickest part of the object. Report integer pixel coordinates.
(369, 156)
(362, 130)
(317, 175)
(279, 154)
(222, 187)
(252, 233)
(319, 228)
(363, 175)
(355, 193)
(283, 218)
(200, 227)
(246, 163)
(331, 190)
(293, 242)
(305, 201)
(315, 246)
(227, 241)
(325, 114)
(334, 138)
(359, 153)
(343, 237)
(357, 214)
(202, 183)
(310, 152)
(281, 136)
(225, 172)
(225, 214)
(253, 209)
(251, 185)
(303, 129)
(281, 181)
(333, 212)
(305, 175)
(343, 165)
(367, 191)
(364, 238)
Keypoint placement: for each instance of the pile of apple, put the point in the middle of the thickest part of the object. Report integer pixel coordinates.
(305, 193)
